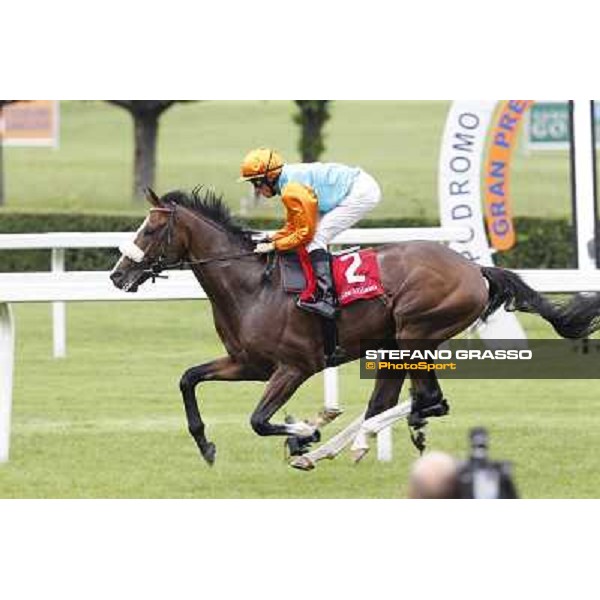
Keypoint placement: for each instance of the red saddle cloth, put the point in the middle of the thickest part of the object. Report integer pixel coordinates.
(356, 276)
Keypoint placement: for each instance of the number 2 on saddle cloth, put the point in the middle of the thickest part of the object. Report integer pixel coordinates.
(355, 276)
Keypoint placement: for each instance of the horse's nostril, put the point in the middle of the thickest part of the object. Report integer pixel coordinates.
(116, 276)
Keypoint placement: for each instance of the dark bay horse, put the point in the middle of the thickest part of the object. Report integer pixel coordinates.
(432, 293)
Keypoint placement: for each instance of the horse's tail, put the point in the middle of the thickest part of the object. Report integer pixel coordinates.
(576, 318)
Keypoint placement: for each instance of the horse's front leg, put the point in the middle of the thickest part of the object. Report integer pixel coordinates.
(221, 369)
(282, 385)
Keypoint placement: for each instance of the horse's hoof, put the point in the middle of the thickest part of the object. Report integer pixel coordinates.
(209, 453)
(416, 421)
(419, 415)
(296, 446)
(327, 416)
(359, 454)
(302, 462)
(419, 440)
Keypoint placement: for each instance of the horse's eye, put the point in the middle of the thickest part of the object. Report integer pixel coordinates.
(149, 231)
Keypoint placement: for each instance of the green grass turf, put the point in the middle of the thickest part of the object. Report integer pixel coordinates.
(108, 421)
(203, 142)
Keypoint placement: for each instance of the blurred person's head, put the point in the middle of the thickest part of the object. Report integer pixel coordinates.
(434, 476)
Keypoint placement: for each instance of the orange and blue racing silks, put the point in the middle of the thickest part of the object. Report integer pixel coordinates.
(330, 182)
(302, 215)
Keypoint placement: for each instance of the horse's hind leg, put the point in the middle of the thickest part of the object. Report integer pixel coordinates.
(423, 335)
(372, 426)
(330, 449)
(385, 393)
(221, 369)
(428, 399)
(384, 397)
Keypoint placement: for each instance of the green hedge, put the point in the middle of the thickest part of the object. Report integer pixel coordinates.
(542, 243)
(84, 259)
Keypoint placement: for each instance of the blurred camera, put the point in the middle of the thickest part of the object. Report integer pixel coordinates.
(481, 478)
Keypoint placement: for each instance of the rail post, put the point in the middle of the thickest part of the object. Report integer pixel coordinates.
(59, 322)
(7, 360)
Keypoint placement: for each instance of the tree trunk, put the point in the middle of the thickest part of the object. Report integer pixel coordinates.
(312, 117)
(146, 136)
(311, 134)
(146, 115)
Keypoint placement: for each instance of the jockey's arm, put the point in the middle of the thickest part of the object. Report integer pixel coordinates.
(302, 214)
(283, 232)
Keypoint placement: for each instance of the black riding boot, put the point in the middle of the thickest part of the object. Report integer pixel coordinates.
(324, 302)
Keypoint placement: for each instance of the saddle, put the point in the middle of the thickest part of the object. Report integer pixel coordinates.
(355, 275)
(292, 275)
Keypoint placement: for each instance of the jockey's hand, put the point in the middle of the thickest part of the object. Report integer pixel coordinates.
(264, 247)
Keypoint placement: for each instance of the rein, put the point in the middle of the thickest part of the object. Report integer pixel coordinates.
(155, 269)
(203, 261)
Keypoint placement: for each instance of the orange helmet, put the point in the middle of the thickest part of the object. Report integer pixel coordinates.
(261, 162)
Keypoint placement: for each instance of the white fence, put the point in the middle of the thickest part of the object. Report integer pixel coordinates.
(58, 286)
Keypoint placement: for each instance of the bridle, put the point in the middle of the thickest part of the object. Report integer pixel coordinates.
(154, 268)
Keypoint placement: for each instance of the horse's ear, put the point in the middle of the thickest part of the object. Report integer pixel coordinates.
(152, 197)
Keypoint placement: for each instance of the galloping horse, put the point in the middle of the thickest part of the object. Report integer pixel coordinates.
(432, 293)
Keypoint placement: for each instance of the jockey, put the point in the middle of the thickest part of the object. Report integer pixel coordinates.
(341, 194)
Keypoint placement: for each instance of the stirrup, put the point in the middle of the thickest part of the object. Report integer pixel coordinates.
(320, 307)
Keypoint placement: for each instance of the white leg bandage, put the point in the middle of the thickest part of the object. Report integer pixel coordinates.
(374, 425)
(300, 429)
(337, 443)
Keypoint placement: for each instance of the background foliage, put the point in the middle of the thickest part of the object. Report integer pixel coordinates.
(203, 143)
(543, 243)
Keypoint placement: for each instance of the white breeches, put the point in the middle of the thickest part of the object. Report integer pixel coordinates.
(363, 196)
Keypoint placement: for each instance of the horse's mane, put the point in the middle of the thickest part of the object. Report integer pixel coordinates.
(207, 203)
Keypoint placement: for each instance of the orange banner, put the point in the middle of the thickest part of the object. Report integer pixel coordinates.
(497, 199)
(31, 123)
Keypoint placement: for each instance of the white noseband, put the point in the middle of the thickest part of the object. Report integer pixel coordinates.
(132, 252)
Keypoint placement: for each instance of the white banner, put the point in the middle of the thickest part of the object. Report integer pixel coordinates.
(459, 193)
